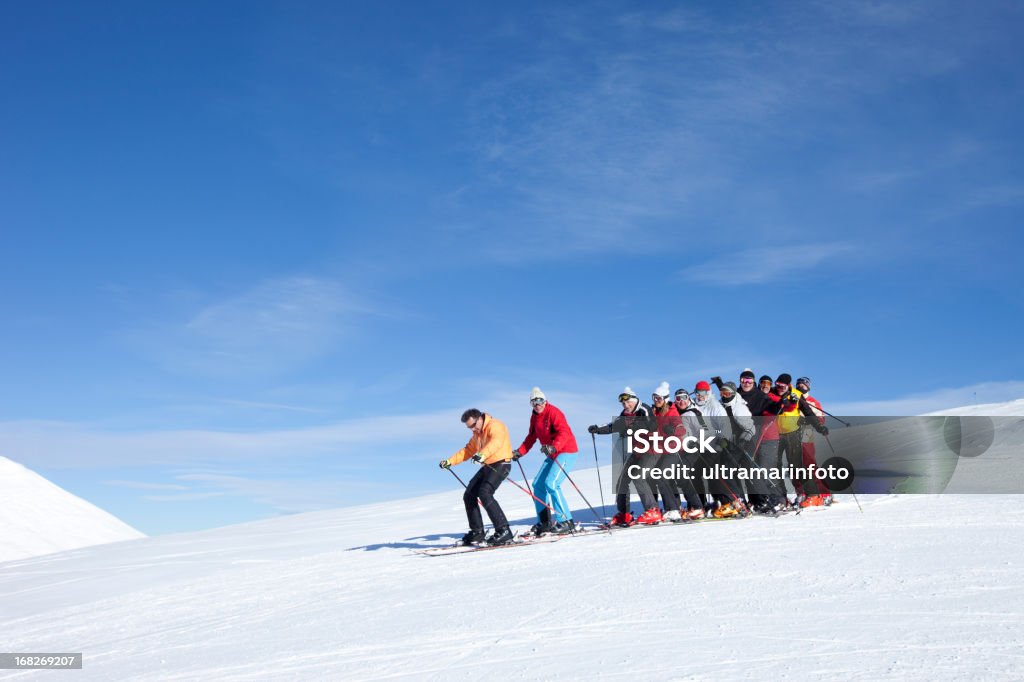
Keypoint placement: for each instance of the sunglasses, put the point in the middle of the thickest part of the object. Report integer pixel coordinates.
(537, 401)
(473, 424)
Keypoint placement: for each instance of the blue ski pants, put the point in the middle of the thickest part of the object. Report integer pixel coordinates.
(547, 485)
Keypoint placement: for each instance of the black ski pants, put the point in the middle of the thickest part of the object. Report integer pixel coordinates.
(769, 457)
(695, 490)
(790, 442)
(482, 487)
(667, 486)
(641, 482)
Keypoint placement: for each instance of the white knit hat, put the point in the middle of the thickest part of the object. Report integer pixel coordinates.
(663, 390)
(630, 392)
(537, 393)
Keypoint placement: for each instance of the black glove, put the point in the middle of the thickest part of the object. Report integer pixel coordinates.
(515, 455)
(717, 381)
(821, 428)
(445, 464)
(791, 398)
(478, 458)
(548, 450)
(593, 428)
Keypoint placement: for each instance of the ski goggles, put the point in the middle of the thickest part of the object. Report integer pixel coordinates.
(746, 381)
(702, 393)
(657, 398)
(682, 397)
(537, 401)
(623, 397)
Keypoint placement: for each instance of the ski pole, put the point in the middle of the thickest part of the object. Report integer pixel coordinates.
(450, 471)
(523, 489)
(463, 484)
(597, 465)
(833, 416)
(749, 461)
(764, 431)
(596, 515)
(827, 440)
(523, 472)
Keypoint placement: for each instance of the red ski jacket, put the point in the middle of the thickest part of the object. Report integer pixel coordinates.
(770, 423)
(550, 428)
(669, 424)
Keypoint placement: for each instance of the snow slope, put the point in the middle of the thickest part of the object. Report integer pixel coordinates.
(38, 517)
(918, 587)
(1013, 408)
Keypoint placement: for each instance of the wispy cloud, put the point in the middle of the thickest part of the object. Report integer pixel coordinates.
(185, 497)
(995, 195)
(873, 181)
(589, 143)
(287, 495)
(255, 405)
(144, 485)
(277, 325)
(74, 445)
(767, 264)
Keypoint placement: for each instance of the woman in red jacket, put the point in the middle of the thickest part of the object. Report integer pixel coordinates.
(548, 425)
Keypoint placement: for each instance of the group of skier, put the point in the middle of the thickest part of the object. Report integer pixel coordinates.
(789, 417)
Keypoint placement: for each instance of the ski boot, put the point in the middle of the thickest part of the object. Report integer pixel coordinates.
(544, 526)
(564, 527)
(726, 511)
(473, 537)
(651, 517)
(501, 536)
(624, 519)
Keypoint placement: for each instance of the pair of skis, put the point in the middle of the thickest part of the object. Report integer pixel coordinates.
(585, 530)
(517, 541)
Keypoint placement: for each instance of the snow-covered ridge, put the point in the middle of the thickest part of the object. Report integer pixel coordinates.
(1013, 408)
(38, 517)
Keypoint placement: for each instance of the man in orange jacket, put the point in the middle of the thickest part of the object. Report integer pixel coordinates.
(491, 448)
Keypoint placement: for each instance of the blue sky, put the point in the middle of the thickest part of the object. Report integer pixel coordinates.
(258, 257)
